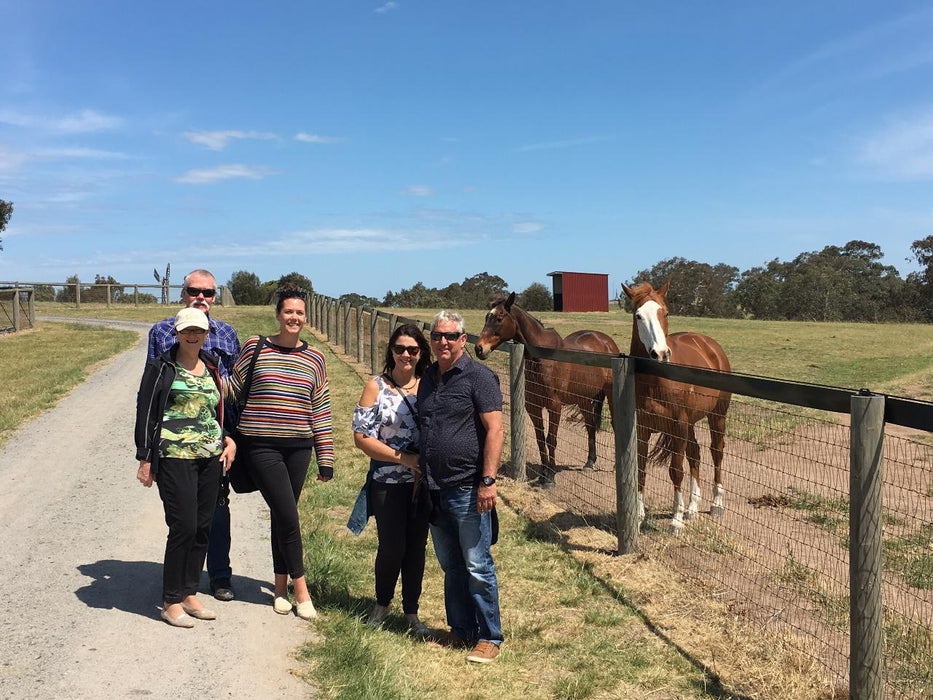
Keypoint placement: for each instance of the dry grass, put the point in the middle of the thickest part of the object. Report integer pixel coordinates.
(569, 634)
(750, 660)
(40, 366)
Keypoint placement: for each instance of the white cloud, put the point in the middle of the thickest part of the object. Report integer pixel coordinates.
(902, 150)
(387, 7)
(316, 138)
(79, 152)
(219, 140)
(526, 227)
(418, 191)
(84, 121)
(568, 143)
(206, 176)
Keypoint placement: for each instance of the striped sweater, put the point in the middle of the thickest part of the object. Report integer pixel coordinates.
(289, 397)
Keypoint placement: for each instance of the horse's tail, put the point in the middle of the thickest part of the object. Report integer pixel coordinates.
(663, 447)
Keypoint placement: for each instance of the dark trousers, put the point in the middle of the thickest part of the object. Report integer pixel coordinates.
(218, 545)
(280, 473)
(403, 535)
(188, 489)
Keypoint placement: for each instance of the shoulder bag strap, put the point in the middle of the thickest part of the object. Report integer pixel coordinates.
(401, 392)
(248, 384)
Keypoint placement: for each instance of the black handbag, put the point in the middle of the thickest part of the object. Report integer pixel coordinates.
(239, 474)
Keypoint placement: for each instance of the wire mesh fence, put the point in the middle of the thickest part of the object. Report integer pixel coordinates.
(778, 556)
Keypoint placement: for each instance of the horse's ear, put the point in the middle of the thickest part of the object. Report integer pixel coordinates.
(663, 290)
(510, 301)
(628, 290)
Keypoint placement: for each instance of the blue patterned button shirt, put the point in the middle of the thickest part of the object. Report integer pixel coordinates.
(221, 340)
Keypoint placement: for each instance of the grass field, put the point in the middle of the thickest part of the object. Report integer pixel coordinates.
(576, 625)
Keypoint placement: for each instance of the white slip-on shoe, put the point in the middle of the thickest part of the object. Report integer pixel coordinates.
(306, 610)
(281, 605)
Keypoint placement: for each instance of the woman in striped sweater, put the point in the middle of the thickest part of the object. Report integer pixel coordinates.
(286, 414)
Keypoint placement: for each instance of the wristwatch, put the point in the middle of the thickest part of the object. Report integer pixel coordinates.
(488, 480)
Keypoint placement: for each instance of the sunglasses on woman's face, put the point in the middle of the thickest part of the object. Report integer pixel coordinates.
(192, 331)
(412, 350)
(450, 335)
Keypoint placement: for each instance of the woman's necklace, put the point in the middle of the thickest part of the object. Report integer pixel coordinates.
(406, 387)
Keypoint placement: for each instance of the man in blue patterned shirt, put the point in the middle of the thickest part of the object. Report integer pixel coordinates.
(199, 292)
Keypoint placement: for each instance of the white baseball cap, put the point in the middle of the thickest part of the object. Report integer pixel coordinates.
(191, 318)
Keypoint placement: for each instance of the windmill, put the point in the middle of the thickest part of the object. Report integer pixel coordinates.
(164, 281)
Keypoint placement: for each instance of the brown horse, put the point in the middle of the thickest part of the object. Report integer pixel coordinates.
(673, 408)
(551, 384)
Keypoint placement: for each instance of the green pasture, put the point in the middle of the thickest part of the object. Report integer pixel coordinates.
(894, 358)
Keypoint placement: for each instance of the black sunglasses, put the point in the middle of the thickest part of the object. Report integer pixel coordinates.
(450, 335)
(412, 350)
(194, 291)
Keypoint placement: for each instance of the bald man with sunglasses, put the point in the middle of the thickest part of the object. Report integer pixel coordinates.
(199, 292)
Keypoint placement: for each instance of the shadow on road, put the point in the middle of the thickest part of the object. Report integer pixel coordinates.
(136, 586)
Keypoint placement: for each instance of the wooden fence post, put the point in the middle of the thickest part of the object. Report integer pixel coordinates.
(17, 321)
(865, 613)
(31, 308)
(136, 295)
(517, 409)
(359, 334)
(346, 328)
(374, 342)
(626, 460)
(108, 296)
(78, 294)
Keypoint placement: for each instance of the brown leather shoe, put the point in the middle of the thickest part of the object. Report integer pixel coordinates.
(483, 653)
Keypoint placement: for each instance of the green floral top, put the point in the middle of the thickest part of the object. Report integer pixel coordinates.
(189, 426)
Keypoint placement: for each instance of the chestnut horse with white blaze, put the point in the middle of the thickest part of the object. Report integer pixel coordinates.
(673, 408)
(552, 384)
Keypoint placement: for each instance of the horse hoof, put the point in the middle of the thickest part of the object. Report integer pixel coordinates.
(677, 527)
(690, 515)
(546, 484)
(716, 511)
(588, 467)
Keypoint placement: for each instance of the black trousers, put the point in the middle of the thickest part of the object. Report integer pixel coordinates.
(188, 489)
(280, 473)
(403, 535)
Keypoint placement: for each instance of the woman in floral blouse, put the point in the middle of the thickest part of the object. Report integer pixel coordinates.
(385, 428)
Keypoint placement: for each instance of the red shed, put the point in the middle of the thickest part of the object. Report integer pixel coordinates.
(580, 291)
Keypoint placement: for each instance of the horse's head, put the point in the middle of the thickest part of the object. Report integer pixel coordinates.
(650, 318)
(500, 327)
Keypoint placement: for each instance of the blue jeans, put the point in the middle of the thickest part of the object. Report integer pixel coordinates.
(218, 546)
(461, 542)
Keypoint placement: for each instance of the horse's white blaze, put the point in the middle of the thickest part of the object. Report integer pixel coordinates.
(695, 498)
(650, 331)
(677, 522)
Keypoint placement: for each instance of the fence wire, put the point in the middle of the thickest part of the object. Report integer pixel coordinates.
(779, 554)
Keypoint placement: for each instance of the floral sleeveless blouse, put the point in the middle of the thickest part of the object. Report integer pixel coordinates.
(389, 420)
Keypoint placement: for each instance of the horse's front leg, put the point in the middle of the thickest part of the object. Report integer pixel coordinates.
(643, 436)
(536, 413)
(591, 416)
(693, 460)
(676, 472)
(717, 431)
(553, 423)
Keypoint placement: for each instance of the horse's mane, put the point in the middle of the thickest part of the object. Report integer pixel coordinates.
(641, 292)
(534, 321)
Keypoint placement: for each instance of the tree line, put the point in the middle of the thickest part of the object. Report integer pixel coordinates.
(837, 283)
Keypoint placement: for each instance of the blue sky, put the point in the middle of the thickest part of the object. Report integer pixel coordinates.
(372, 145)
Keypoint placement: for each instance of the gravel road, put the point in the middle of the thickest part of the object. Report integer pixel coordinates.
(81, 550)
